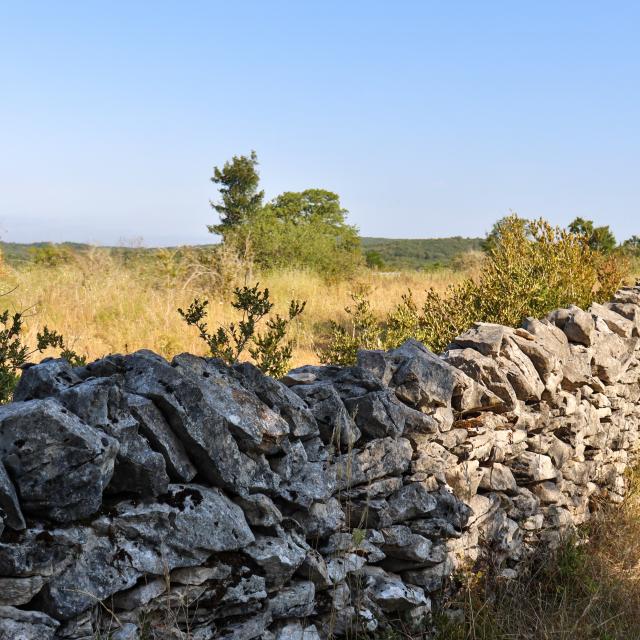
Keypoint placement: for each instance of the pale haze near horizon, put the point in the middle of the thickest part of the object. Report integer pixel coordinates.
(429, 119)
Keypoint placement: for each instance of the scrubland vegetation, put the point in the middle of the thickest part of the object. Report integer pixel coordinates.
(322, 294)
(103, 304)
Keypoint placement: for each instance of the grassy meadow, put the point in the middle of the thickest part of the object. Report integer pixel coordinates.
(104, 304)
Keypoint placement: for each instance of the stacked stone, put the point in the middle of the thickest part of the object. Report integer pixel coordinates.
(203, 501)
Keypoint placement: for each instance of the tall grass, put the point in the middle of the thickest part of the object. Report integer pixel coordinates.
(589, 590)
(103, 305)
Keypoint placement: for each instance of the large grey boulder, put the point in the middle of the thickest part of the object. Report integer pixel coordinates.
(195, 415)
(60, 465)
(100, 403)
(43, 380)
(156, 430)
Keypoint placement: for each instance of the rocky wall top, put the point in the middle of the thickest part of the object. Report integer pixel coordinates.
(189, 499)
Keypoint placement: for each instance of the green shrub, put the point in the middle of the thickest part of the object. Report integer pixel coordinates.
(51, 255)
(14, 353)
(363, 332)
(530, 269)
(301, 229)
(271, 353)
(304, 229)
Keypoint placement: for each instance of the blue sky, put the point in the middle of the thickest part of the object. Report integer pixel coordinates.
(428, 118)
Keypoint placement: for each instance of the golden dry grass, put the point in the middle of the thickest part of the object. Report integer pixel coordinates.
(102, 306)
(589, 590)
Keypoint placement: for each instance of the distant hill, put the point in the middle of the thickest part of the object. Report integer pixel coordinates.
(417, 254)
(395, 254)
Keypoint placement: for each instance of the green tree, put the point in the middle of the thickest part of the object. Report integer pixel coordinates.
(240, 197)
(374, 259)
(303, 229)
(599, 238)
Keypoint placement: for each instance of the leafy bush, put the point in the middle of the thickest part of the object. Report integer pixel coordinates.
(51, 255)
(363, 333)
(305, 229)
(531, 268)
(271, 354)
(374, 259)
(14, 353)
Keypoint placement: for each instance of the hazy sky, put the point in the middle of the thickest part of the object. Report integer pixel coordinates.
(429, 118)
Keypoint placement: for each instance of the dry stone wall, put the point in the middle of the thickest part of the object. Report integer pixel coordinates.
(146, 499)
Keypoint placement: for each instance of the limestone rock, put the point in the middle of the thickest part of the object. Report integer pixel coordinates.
(335, 423)
(43, 380)
(10, 510)
(498, 477)
(280, 399)
(534, 467)
(259, 510)
(100, 403)
(483, 337)
(484, 370)
(378, 414)
(614, 320)
(294, 601)
(16, 624)
(19, 591)
(278, 557)
(59, 465)
(197, 419)
(578, 325)
(253, 424)
(379, 458)
(156, 430)
(390, 593)
(140, 538)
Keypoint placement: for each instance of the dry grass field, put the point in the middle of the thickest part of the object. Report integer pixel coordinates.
(589, 590)
(103, 306)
